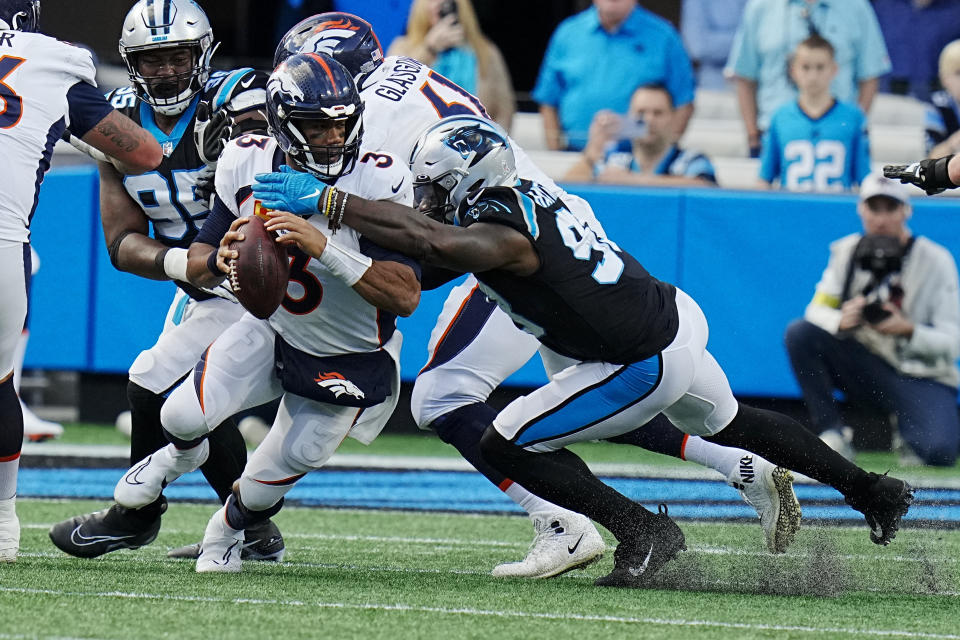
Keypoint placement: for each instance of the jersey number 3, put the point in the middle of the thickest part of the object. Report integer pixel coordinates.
(12, 102)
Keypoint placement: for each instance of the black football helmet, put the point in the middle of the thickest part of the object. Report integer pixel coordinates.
(315, 87)
(20, 15)
(349, 39)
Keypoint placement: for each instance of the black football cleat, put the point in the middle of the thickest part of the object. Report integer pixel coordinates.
(94, 534)
(261, 542)
(883, 505)
(640, 556)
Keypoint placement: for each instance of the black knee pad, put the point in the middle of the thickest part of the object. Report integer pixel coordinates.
(11, 420)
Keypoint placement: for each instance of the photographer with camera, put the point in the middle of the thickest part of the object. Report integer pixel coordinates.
(640, 147)
(884, 328)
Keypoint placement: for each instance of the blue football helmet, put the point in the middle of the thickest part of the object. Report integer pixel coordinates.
(456, 157)
(309, 88)
(19, 15)
(349, 39)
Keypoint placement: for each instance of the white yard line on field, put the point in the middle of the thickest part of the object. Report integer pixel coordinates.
(492, 613)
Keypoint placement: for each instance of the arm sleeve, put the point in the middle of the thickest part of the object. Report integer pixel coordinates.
(548, 88)
(941, 336)
(680, 82)
(824, 309)
(872, 59)
(87, 107)
(744, 60)
(216, 225)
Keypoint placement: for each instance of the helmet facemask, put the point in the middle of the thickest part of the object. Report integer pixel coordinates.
(155, 27)
(432, 196)
(325, 161)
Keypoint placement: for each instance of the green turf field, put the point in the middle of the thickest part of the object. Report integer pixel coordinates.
(397, 575)
(376, 574)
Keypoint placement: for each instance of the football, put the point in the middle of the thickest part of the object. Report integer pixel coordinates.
(260, 272)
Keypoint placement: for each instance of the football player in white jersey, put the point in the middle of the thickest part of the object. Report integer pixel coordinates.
(475, 346)
(45, 86)
(330, 351)
(167, 46)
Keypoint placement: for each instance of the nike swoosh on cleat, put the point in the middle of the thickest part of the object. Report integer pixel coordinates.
(315, 193)
(132, 475)
(572, 549)
(81, 540)
(638, 571)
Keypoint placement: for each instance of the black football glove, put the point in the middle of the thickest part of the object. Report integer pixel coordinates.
(212, 131)
(204, 186)
(929, 175)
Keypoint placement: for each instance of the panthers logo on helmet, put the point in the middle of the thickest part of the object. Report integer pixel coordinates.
(472, 140)
(338, 385)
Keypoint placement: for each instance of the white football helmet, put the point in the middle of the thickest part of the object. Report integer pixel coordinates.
(456, 157)
(152, 25)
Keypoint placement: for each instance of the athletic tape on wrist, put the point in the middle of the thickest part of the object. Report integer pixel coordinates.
(175, 264)
(346, 264)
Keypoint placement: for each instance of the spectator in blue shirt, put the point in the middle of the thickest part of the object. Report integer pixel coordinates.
(771, 30)
(815, 143)
(596, 59)
(640, 148)
(943, 114)
(916, 31)
(708, 27)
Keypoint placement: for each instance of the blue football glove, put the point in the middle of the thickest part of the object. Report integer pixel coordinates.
(289, 190)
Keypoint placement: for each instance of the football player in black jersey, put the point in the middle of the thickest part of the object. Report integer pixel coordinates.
(192, 111)
(640, 342)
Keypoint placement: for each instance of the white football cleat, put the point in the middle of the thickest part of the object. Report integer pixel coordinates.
(564, 541)
(9, 530)
(143, 483)
(769, 489)
(36, 429)
(221, 547)
(253, 430)
(124, 423)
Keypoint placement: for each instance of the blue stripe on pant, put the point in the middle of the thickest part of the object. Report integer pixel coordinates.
(624, 388)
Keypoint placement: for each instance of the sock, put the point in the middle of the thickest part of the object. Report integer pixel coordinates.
(11, 438)
(228, 457)
(564, 479)
(240, 517)
(146, 434)
(463, 428)
(789, 444)
(659, 435)
(705, 453)
(529, 502)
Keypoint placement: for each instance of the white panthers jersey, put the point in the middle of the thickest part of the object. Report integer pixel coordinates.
(36, 73)
(320, 314)
(403, 97)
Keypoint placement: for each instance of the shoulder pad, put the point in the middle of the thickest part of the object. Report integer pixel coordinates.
(123, 98)
(224, 86)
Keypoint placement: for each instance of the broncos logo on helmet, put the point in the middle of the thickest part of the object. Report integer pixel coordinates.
(309, 90)
(19, 15)
(348, 39)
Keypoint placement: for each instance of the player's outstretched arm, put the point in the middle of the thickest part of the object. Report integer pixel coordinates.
(126, 230)
(121, 138)
(385, 284)
(932, 175)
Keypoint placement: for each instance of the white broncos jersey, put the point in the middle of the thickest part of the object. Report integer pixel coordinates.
(403, 97)
(36, 74)
(320, 314)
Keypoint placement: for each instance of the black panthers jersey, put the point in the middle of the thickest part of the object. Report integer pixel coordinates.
(166, 194)
(589, 300)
